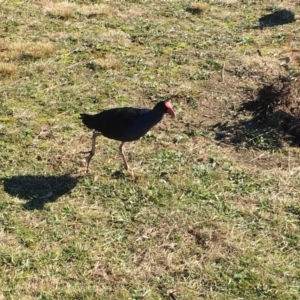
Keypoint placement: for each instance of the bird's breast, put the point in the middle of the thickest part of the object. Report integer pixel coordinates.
(141, 126)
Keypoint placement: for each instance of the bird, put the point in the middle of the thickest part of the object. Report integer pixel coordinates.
(124, 124)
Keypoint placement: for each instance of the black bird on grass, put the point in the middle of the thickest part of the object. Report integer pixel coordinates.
(124, 124)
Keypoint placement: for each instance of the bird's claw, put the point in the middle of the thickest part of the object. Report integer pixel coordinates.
(88, 158)
(85, 152)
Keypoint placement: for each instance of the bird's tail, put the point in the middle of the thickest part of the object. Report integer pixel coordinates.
(87, 120)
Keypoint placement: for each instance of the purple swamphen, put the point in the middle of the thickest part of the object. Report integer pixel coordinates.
(124, 124)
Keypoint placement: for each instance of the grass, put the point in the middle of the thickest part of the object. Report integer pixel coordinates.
(196, 219)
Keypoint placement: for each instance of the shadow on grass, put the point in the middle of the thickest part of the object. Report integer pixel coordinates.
(118, 175)
(38, 189)
(249, 134)
(279, 17)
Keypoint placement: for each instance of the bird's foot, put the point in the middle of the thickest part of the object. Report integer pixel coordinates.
(88, 159)
(131, 173)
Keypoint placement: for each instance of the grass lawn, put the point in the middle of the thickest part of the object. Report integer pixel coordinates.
(210, 208)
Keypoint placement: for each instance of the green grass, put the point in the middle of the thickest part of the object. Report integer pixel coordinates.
(194, 219)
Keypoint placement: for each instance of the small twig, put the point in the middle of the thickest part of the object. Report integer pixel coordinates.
(289, 163)
(145, 294)
(223, 72)
(74, 65)
(172, 295)
(54, 86)
(69, 53)
(259, 52)
(257, 157)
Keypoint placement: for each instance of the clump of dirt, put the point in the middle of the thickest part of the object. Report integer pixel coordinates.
(277, 104)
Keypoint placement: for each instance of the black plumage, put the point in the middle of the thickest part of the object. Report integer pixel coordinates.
(124, 124)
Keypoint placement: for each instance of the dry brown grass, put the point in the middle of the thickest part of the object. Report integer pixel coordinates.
(115, 37)
(67, 10)
(198, 7)
(96, 10)
(107, 63)
(255, 64)
(229, 2)
(8, 69)
(63, 9)
(12, 51)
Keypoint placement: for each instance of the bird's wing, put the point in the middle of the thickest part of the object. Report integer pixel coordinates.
(125, 116)
(112, 123)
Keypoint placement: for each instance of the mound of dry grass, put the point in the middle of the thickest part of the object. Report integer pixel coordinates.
(8, 69)
(198, 7)
(67, 10)
(13, 51)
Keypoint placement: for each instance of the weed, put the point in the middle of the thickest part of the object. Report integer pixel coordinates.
(263, 138)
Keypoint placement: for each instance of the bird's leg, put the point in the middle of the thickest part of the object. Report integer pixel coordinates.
(92, 151)
(123, 156)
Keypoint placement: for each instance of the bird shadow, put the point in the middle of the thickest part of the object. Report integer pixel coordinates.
(279, 17)
(118, 175)
(38, 190)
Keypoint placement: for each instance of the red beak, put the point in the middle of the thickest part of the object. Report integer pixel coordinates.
(170, 110)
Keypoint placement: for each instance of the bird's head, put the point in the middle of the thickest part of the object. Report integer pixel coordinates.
(166, 107)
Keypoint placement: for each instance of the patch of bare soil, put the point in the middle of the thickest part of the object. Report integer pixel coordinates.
(269, 116)
(277, 105)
